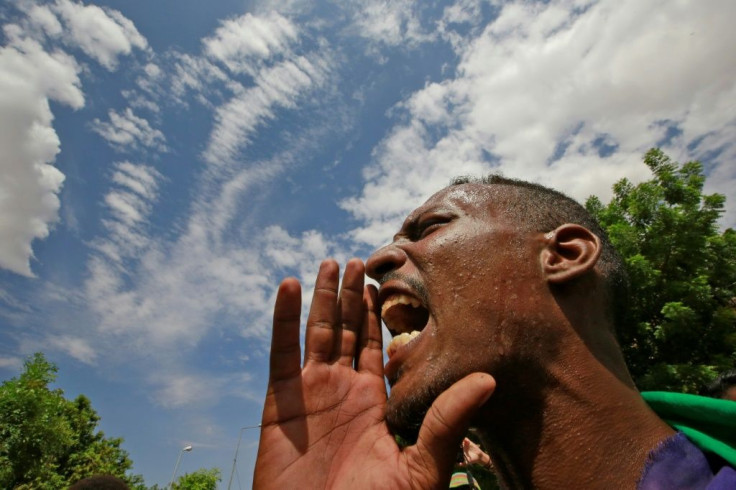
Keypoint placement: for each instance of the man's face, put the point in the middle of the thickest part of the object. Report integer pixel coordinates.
(460, 285)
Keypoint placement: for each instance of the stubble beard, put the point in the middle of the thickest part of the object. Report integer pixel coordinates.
(405, 417)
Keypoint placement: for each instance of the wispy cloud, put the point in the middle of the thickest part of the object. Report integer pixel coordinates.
(11, 362)
(77, 348)
(126, 130)
(129, 202)
(165, 292)
(275, 87)
(176, 390)
(390, 23)
(102, 33)
(242, 43)
(176, 293)
(197, 76)
(180, 387)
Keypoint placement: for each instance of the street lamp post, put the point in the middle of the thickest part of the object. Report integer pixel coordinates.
(176, 466)
(235, 458)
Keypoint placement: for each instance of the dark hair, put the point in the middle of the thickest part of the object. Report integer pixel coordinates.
(100, 482)
(719, 386)
(539, 208)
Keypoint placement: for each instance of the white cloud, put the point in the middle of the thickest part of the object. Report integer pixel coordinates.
(126, 130)
(13, 304)
(136, 100)
(130, 202)
(241, 43)
(277, 86)
(185, 390)
(196, 74)
(544, 84)
(183, 290)
(389, 22)
(75, 347)
(102, 33)
(15, 363)
(410, 170)
(140, 179)
(152, 70)
(29, 185)
(177, 388)
(30, 77)
(248, 45)
(462, 12)
(216, 276)
(43, 17)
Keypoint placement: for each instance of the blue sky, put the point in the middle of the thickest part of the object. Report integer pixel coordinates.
(166, 163)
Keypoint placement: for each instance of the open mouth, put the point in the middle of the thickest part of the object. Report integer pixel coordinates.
(405, 317)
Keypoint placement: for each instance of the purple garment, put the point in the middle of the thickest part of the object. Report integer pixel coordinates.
(676, 464)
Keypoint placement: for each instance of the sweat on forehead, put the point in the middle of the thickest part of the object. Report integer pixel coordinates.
(463, 195)
(531, 205)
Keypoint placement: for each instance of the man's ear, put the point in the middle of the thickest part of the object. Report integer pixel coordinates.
(570, 251)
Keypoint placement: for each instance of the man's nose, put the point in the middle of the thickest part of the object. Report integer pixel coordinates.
(384, 260)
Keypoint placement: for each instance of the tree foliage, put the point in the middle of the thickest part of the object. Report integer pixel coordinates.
(49, 442)
(202, 479)
(682, 327)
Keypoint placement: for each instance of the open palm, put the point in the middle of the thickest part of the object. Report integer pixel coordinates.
(323, 421)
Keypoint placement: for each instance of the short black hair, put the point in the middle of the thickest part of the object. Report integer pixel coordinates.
(539, 208)
(100, 482)
(719, 386)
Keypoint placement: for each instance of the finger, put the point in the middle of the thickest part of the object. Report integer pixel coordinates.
(320, 334)
(370, 358)
(285, 349)
(447, 422)
(466, 448)
(351, 310)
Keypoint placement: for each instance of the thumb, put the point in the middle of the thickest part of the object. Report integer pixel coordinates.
(447, 422)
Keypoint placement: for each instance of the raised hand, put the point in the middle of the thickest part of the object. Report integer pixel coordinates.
(323, 422)
(475, 455)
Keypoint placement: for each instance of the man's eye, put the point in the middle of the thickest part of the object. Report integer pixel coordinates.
(429, 226)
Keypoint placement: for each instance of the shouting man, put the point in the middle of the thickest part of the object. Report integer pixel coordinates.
(502, 298)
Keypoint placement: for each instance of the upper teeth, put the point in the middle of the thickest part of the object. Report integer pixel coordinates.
(399, 299)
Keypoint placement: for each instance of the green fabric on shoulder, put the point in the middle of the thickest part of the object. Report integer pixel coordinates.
(709, 423)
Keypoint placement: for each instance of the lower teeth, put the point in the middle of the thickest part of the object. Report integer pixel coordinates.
(400, 340)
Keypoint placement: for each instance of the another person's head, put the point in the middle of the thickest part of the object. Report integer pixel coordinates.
(100, 482)
(497, 275)
(723, 387)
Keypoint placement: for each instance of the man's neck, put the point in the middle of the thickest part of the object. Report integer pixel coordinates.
(576, 424)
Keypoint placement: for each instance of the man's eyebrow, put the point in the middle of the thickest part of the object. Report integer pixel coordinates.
(405, 227)
(409, 223)
(412, 221)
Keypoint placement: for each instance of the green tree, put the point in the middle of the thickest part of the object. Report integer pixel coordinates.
(682, 318)
(49, 442)
(202, 479)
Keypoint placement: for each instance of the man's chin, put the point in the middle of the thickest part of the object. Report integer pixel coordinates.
(404, 426)
(404, 416)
